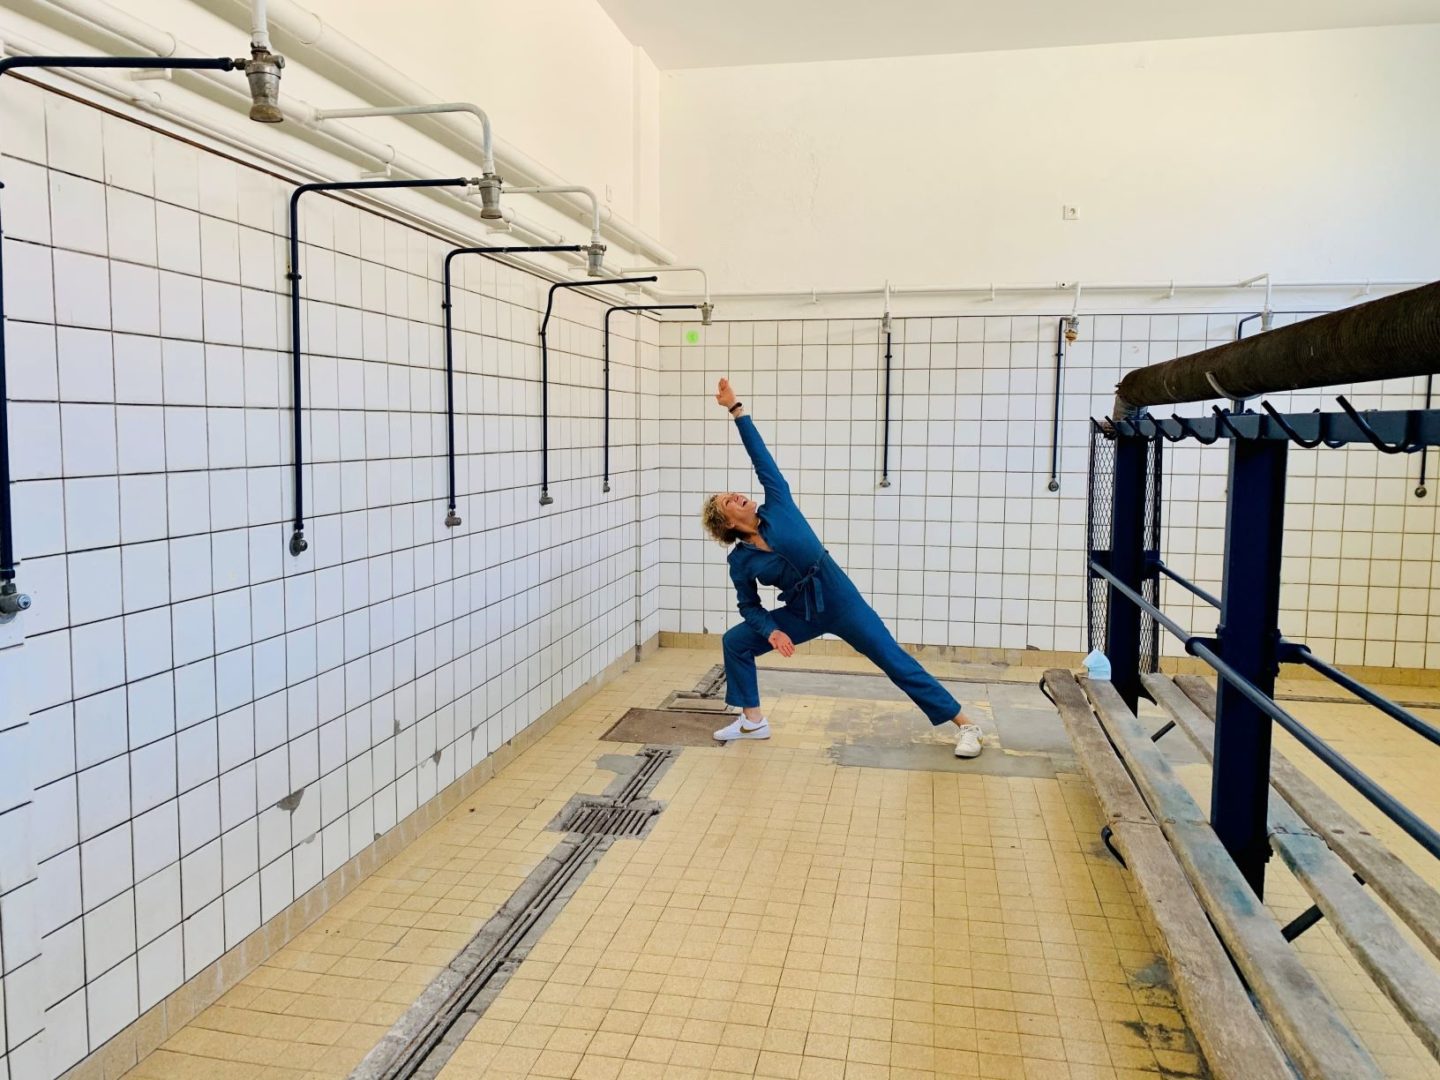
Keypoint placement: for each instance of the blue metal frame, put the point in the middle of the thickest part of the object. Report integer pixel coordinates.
(1248, 649)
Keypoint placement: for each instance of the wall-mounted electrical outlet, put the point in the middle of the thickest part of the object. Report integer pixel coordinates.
(1070, 213)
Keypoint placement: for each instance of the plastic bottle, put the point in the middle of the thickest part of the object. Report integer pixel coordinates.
(1097, 665)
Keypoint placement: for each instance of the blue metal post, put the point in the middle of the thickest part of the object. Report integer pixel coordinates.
(1127, 563)
(1249, 641)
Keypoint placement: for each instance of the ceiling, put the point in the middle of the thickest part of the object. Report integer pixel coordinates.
(718, 33)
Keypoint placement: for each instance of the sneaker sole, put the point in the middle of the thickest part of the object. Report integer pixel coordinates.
(737, 738)
(967, 755)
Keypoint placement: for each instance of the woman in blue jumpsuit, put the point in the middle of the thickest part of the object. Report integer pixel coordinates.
(773, 544)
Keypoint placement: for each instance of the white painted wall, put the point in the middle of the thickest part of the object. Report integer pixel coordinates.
(1311, 155)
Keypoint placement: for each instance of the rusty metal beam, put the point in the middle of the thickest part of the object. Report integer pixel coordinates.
(1394, 337)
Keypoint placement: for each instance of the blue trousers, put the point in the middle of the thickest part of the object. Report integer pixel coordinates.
(855, 622)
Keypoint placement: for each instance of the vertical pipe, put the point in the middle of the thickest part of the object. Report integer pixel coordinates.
(12, 601)
(452, 518)
(1054, 484)
(605, 468)
(608, 312)
(1127, 562)
(298, 543)
(1420, 489)
(885, 431)
(7, 528)
(545, 499)
(1249, 638)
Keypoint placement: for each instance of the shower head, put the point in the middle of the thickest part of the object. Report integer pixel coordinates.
(1072, 328)
(595, 259)
(262, 72)
(489, 188)
(707, 309)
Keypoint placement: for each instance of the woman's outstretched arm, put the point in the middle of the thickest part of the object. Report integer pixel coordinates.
(771, 479)
(747, 599)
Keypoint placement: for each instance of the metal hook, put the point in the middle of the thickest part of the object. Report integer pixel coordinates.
(1140, 423)
(1222, 421)
(1402, 447)
(1187, 429)
(1291, 433)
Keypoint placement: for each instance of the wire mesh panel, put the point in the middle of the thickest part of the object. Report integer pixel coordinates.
(1098, 519)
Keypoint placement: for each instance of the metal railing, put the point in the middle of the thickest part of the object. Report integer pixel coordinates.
(1248, 649)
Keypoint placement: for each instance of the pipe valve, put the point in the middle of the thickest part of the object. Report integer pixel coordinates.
(707, 309)
(1072, 329)
(12, 601)
(595, 259)
(262, 72)
(489, 188)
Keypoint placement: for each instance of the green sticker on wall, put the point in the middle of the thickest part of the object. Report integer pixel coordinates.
(692, 337)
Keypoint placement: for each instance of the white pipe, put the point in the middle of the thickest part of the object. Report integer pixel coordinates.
(704, 277)
(259, 27)
(365, 74)
(128, 28)
(562, 189)
(487, 134)
(1040, 287)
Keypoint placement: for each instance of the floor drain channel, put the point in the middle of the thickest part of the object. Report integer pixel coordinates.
(423, 1040)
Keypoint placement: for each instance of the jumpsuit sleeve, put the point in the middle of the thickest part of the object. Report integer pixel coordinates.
(765, 468)
(747, 597)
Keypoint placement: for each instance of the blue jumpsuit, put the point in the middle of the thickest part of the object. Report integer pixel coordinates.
(819, 598)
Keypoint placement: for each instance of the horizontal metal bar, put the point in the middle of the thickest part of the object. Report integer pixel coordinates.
(1143, 604)
(1413, 427)
(1360, 690)
(1186, 583)
(1417, 829)
(173, 63)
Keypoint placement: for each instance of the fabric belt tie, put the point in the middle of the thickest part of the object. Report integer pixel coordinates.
(810, 590)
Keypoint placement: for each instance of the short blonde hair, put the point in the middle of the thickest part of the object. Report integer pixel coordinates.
(712, 516)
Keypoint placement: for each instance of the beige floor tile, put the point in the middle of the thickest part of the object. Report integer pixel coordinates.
(785, 917)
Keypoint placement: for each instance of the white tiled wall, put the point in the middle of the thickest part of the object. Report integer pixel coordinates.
(182, 674)
(967, 546)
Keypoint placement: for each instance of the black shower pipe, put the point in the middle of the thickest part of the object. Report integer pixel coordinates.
(885, 429)
(12, 601)
(1054, 484)
(298, 544)
(605, 484)
(1420, 489)
(545, 499)
(451, 517)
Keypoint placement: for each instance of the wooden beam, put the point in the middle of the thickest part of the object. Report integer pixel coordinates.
(1405, 977)
(1410, 896)
(1306, 1021)
(1233, 1038)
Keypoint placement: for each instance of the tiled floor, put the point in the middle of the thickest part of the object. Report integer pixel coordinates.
(787, 916)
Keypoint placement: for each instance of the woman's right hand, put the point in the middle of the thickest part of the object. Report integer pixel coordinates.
(781, 643)
(724, 395)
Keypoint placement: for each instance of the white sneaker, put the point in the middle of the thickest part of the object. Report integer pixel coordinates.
(968, 744)
(742, 728)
